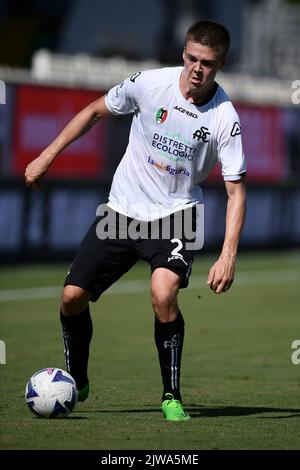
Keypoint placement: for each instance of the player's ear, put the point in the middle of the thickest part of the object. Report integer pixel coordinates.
(183, 54)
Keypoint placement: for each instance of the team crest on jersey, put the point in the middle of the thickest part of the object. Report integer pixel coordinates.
(161, 115)
(202, 134)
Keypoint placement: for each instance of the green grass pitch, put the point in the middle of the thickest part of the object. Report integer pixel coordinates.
(238, 381)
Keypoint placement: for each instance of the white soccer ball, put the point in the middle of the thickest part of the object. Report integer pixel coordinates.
(51, 393)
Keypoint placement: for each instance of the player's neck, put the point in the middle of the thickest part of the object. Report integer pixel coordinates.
(199, 97)
(207, 96)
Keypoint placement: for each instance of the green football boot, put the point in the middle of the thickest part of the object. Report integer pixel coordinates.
(83, 393)
(173, 409)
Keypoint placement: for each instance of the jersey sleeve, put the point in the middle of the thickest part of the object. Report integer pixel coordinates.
(230, 147)
(123, 98)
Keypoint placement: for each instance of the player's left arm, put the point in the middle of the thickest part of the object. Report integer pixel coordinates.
(221, 274)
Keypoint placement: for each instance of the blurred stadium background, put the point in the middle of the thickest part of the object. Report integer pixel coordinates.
(58, 56)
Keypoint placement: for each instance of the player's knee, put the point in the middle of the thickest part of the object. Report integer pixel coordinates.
(160, 300)
(164, 306)
(74, 300)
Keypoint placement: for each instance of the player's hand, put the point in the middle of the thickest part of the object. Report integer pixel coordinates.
(221, 274)
(35, 172)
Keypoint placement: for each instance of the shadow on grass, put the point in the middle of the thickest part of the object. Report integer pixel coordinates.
(196, 411)
(76, 417)
(199, 411)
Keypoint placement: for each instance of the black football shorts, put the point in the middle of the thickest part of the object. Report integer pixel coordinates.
(114, 243)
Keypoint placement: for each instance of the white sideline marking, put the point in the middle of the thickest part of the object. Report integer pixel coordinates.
(280, 276)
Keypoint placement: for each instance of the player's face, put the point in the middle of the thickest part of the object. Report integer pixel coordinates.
(201, 64)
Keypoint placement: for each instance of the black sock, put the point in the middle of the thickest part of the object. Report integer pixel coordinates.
(77, 333)
(169, 342)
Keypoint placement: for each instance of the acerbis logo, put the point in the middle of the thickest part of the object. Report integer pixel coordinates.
(135, 76)
(236, 130)
(185, 111)
(202, 134)
(161, 115)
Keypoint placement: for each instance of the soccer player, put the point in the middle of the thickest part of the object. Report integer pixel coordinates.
(183, 123)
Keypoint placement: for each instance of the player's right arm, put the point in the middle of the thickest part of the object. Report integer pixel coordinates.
(78, 126)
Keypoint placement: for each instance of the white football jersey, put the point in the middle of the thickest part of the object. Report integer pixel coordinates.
(173, 144)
